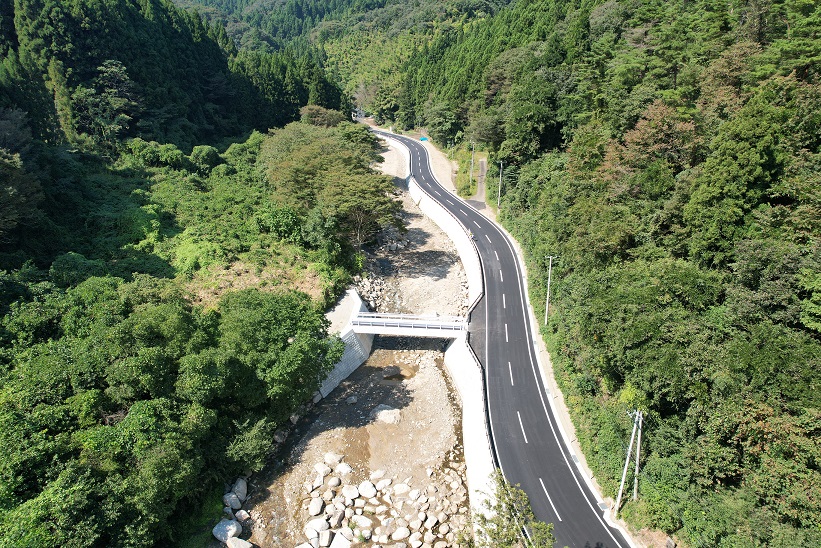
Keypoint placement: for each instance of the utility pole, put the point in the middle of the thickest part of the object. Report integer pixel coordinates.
(638, 457)
(547, 300)
(499, 190)
(637, 419)
(473, 152)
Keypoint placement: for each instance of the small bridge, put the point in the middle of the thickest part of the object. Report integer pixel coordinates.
(410, 325)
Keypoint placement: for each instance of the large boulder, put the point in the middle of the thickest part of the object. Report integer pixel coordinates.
(343, 469)
(367, 489)
(231, 500)
(226, 529)
(236, 542)
(386, 414)
(318, 525)
(241, 489)
(315, 506)
(350, 492)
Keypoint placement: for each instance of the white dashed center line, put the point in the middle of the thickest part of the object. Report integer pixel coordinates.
(504, 301)
(522, 426)
(510, 368)
(506, 333)
(548, 496)
(488, 239)
(437, 192)
(462, 212)
(477, 224)
(502, 276)
(494, 252)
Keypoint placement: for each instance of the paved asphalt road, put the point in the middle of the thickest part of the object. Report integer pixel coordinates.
(525, 433)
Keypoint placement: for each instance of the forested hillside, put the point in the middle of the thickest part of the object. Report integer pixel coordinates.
(669, 154)
(92, 72)
(161, 298)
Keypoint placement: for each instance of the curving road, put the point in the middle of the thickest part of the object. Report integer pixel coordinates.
(525, 433)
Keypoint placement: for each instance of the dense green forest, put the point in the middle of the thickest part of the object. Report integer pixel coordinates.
(162, 282)
(669, 154)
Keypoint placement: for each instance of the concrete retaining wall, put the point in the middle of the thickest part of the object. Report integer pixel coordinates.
(463, 368)
(466, 375)
(357, 350)
(458, 235)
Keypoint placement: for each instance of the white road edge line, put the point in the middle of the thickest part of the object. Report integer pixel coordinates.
(550, 500)
(510, 368)
(522, 426)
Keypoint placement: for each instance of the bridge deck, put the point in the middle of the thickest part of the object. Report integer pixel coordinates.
(410, 325)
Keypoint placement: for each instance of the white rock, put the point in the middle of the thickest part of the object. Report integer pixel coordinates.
(444, 529)
(401, 533)
(377, 474)
(226, 529)
(413, 494)
(318, 524)
(322, 468)
(381, 484)
(231, 499)
(362, 522)
(318, 481)
(350, 492)
(336, 518)
(334, 482)
(415, 524)
(241, 489)
(235, 542)
(401, 489)
(416, 543)
(386, 414)
(340, 541)
(343, 469)
(431, 522)
(304, 545)
(332, 459)
(347, 533)
(310, 533)
(367, 489)
(316, 506)
(325, 538)
(242, 515)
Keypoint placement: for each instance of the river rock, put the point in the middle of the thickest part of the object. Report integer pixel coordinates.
(322, 468)
(325, 538)
(367, 489)
(362, 522)
(350, 492)
(401, 533)
(343, 469)
(241, 489)
(242, 515)
(226, 529)
(340, 542)
(332, 459)
(387, 414)
(231, 500)
(381, 484)
(350, 400)
(334, 482)
(236, 542)
(315, 507)
(318, 524)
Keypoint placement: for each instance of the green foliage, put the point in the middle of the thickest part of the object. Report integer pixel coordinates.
(501, 521)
